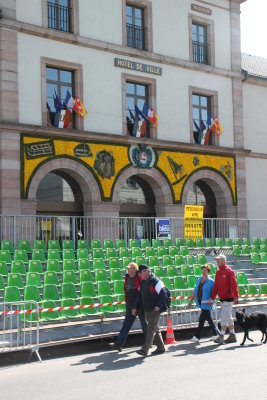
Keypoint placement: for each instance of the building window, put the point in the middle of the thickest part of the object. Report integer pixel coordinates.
(59, 15)
(201, 109)
(200, 44)
(135, 27)
(136, 95)
(58, 81)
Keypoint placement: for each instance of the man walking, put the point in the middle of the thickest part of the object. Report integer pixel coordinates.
(152, 297)
(225, 286)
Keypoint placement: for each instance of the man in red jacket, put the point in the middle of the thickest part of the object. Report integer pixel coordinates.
(225, 286)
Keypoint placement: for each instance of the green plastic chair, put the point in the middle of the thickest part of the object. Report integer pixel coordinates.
(263, 248)
(108, 244)
(7, 245)
(150, 251)
(140, 260)
(255, 249)
(120, 244)
(167, 282)
(178, 261)
(209, 243)
(15, 280)
(191, 281)
(263, 258)
(50, 292)
(173, 251)
(153, 262)
(11, 294)
(126, 261)
(172, 271)
(264, 241)
(98, 263)
(185, 270)
(38, 255)
(133, 243)
(18, 267)
(69, 302)
(241, 278)
(49, 315)
(145, 243)
(114, 262)
(238, 242)
(136, 252)
(100, 275)
(31, 292)
(87, 301)
(255, 241)
(159, 272)
(178, 282)
(83, 245)
(68, 291)
(115, 275)
(167, 243)
(83, 263)
(53, 254)
(95, 244)
(3, 268)
(255, 258)
(201, 259)
(118, 287)
(263, 288)
(184, 251)
(5, 256)
(67, 244)
(53, 266)
(111, 253)
(69, 265)
(35, 267)
(236, 250)
(197, 269)
(246, 242)
(189, 243)
(213, 268)
(24, 245)
(245, 250)
(219, 243)
(161, 251)
(40, 245)
(50, 278)
(85, 276)
(200, 243)
(121, 307)
(190, 260)
(179, 242)
(33, 279)
(252, 290)
(98, 253)
(21, 255)
(54, 245)
(167, 260)
(123, 252)
(82, 254)
(88, 290)
(156, 243)
(69, 277)
(241, 290)
(68, 254)
(2, 284)
(103, 288)
(228, 243)
(107, 309)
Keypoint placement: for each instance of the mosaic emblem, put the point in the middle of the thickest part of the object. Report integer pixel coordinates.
(226, 170)
(39, 149)
(196, 161)
(82, 150)
(105, 164)
(177, 170)
(142, 156)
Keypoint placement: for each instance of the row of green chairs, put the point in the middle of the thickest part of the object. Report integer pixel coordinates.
(246, 250)
(252, 289)
(259, 258)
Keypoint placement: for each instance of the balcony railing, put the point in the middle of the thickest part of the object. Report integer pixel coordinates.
(136, 37)
(200, 53)
(58, 17)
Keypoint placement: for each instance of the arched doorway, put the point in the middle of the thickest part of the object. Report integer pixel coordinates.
(202, 194)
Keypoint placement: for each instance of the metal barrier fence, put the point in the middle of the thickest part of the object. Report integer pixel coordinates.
(61, 227)
(19, 331)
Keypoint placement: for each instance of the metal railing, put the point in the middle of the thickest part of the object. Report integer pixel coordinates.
(136, 36)
(58, 17)
(61, 227)
(19, 330)
(200, 52)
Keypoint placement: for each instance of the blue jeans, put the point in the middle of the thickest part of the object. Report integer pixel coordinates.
(128, 323)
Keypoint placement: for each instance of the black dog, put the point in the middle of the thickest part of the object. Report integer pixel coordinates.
(253, 320)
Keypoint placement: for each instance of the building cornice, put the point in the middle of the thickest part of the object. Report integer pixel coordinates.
(255, 80)
(77, 40)
(107, 137)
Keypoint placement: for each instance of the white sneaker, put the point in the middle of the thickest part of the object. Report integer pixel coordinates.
(214, 338)
(195, 339)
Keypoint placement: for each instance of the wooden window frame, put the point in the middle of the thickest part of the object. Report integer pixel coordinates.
(209, 24)
(152, 99)
(74, 9)
(213, 108)
(146, 5)
(78, 85)
(135, 97)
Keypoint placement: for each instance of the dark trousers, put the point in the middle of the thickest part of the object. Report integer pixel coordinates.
(128, 323)
(205, 315)
(153, 332)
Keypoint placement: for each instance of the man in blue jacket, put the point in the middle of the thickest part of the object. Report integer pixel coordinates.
(202, 295)
(152, 298)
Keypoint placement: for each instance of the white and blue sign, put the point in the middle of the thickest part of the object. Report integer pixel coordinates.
(163, 228)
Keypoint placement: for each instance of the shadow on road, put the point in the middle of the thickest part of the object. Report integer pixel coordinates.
(110, 361)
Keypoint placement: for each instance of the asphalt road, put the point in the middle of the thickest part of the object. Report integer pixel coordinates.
(185, 371)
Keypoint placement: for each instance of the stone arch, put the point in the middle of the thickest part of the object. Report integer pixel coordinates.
(75, 170)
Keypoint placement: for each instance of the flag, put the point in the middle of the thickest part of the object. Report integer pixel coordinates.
(201, 131)
(69, 100)
(196, 126)
(57, 103)
(131, 115)
(139, 129)
(209, 121)
(138, 112)
(67, 119)
(59, 119)
(150, 115)
(79, 107)
(207, 136)
(216, 126)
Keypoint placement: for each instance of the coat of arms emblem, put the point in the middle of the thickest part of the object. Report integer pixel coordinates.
(142, 156)
(105, 164)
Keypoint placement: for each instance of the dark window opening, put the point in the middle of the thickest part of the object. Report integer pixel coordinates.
(200, 44)
(135, 27)
(136, 95)
(59, 15)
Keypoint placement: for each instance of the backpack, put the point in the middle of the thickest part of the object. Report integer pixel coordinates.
(168, 299)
